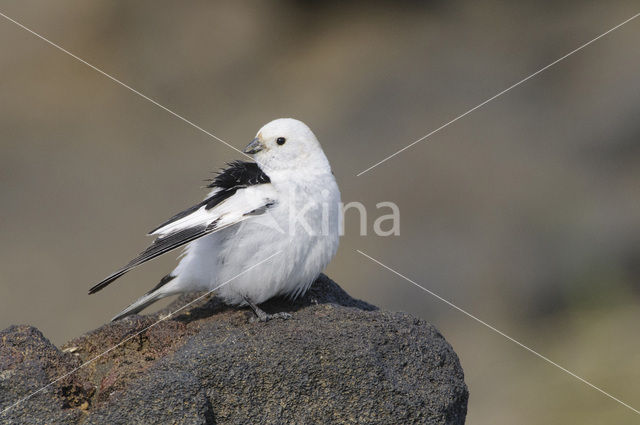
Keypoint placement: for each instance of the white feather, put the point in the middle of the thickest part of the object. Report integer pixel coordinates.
(228, 212)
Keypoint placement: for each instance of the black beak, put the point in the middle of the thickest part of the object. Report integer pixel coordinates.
(254, 147)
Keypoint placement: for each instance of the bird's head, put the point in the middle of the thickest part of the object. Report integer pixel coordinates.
(287, 143)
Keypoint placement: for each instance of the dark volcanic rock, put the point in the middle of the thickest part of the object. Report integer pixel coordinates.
(29, 362)
(337, 360)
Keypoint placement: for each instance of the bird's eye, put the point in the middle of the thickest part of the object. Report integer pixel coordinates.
(281, 140)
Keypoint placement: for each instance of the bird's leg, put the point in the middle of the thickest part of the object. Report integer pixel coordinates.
(262, 315)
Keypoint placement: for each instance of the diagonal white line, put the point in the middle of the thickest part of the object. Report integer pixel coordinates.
(133, 336)
(95, 68)
(532, 351)
(498, 95)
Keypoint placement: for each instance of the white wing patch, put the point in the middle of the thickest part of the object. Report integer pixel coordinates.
(198, 221)
(239, 207)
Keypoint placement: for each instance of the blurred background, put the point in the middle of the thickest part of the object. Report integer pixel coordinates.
(526, 213)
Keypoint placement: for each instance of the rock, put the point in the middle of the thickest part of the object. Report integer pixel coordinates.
(29, 362)
(336, 360)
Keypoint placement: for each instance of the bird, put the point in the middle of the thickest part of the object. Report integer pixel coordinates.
(267, 228)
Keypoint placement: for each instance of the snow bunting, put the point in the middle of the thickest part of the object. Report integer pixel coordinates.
(287, 202)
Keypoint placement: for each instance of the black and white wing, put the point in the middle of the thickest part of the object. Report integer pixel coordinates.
(239, 192)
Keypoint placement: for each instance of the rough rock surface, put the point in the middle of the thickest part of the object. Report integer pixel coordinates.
(336, 360)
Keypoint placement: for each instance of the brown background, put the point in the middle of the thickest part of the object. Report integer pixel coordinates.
(526, 212)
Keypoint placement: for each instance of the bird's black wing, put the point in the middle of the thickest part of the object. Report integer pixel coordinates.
(238, 175)
(228, 204)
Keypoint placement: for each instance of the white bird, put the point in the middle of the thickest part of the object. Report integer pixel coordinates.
(287, 203)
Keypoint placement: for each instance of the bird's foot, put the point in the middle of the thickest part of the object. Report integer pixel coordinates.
(265, 317)
(262, 316)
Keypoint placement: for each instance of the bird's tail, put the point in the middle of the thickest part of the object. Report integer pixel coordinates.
(157, 293)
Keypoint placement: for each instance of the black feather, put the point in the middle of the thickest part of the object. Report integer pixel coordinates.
(158, 247)
(166, 279)
(238, 175)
